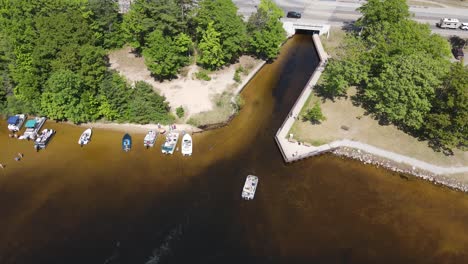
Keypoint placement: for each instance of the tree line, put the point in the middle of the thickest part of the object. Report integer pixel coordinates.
(403, 75)
(53, 54)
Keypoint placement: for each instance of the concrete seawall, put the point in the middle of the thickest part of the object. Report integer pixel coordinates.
(292, 151)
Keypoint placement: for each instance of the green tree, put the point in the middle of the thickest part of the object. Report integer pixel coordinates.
(61, 97)
(211, 54)
(105, 22)
(222, 15)
(447, 124)
(165, 56)
(403, 92)
(147, 106)
(180, 111)
(145, 17)
(114, 95)
(382, 11)
(266, 32)
(315, 114)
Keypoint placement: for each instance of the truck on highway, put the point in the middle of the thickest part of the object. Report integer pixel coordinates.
(451, 23)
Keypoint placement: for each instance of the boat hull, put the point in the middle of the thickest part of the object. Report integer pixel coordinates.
(44, 138)
(126, 143)
(150, 139)
(187, 145)
(85, 137)
(250, 187)
(171, 142)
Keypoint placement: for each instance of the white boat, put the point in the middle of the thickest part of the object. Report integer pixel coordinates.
(85, 138)
(43, 138)
(187, 145)
(250, 186)
(150, 138)
(171, 141)
(16, 122)
(32, 127)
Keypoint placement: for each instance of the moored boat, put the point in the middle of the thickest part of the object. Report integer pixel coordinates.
(43, 138)
(187, 145)
(126, 142)
(16, 122)
(32, 127)
(85, 137)
(171, 142)
(250, 186)
(150, 138)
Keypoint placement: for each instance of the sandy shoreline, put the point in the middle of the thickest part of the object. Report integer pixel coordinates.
(138, 128)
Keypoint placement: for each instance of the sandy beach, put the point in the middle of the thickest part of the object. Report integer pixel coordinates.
(194, 95)
(138, 128)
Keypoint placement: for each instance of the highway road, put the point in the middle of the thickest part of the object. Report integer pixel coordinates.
(339, 13)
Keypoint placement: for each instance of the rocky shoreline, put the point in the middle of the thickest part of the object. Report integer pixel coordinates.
(401, 168)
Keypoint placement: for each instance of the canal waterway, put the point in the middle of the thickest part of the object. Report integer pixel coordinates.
(97, 204)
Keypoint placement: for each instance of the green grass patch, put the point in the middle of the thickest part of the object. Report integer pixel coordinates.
(222, 110)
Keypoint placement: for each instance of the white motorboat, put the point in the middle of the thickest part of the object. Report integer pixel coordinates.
(150, 138)
(187, 145)
(250, 186)
(43, 138)
(16, 122)
(85, 137)
(171, 142)
(32, 127)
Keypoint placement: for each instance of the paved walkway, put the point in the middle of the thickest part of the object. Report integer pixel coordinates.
(293, 151)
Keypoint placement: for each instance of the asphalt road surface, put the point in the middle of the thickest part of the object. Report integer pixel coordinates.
(339, 13)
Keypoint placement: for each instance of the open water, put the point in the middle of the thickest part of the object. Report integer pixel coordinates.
(96, 204)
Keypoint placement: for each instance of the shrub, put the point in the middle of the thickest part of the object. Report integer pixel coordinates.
(203, 75)
(237, 76)
(315, 114)
(180, 111)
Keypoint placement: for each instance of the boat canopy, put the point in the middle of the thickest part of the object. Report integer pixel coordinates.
(30, 123)
(13, 120)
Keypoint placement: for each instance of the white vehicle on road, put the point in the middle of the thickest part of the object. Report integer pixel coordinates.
(464, 26)
(451, 23)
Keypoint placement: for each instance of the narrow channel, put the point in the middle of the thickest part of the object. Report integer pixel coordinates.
(96, 204)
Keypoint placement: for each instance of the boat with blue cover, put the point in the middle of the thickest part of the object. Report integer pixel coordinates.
(16, 122)
(126, 142)
(32, 127)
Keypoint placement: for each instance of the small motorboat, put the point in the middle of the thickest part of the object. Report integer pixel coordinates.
(170, 144)
(16, 122)
(126, 142)
(250, 186)
(187, 145)
(43, 139)
(85, 137)
(150, 138)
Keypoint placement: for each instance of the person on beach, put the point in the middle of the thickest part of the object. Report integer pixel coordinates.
(20, 154)
(2, 166)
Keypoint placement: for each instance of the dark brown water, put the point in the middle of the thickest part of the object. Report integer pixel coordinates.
(96, 204)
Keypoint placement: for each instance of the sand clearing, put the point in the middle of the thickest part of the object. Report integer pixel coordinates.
(194, 95)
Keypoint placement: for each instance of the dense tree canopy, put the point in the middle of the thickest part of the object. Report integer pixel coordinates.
(447, 124)
(222, 14)
(164, 56)
(403, 74)
(145, 17)
(266, 32)
(53, 61)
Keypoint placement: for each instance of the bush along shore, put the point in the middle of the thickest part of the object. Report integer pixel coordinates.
(400, 168)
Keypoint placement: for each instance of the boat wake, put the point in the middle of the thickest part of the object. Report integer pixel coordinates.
(165, 248)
